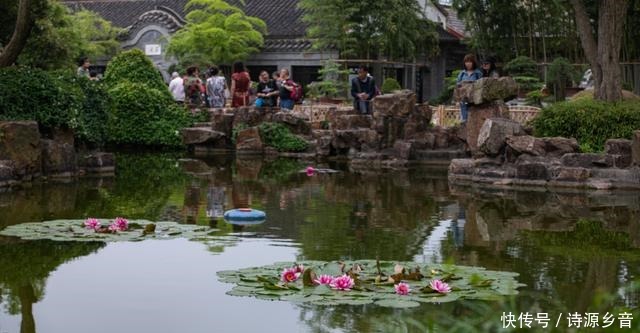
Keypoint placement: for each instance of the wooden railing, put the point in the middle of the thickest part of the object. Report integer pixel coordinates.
(449, 115)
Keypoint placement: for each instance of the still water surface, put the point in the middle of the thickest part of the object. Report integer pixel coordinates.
(571, 249)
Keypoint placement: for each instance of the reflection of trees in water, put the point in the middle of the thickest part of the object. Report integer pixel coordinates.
(25, 267)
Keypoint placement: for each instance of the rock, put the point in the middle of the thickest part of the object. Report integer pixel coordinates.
(323, 145)
(98, 162)
(20, 143)
(532, 171)
(63, 136)
(200, 135)
(477, 117)
(351, 121)
(249, 140)
(488, 161)
(398, 104)
(58, 158)
(620, 150)
(7, 175)
(558, 146)
(487, 90)
(570, 174)
(462, 166)
(222, 122)
(359, 139)
(195, 167)
(493, 134)
(418, 121)
(297, 123)
(587, 160)
(555, 147)
(402, 150)
(635, 148)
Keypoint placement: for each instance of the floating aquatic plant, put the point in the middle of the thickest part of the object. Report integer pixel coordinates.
(384, 283)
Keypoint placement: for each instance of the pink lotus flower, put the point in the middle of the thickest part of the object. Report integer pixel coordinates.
(299, 268)
(439, 286)
(310, 171)
(344, 282)
(289, 275)
(402, 288)
(120, 224)
(92, 223)
(323, 279)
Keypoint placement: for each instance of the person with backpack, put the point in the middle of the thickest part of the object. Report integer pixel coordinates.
(267, 91)
(240, 85)
(363, 90)
(193, 87)
(215, 87)
(290, 92)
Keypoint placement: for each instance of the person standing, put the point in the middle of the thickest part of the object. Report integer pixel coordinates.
(363, 90)
(193, 87)
(469, 74)
(267, 91)
(240, 85)
(489, 68)
(215, 87)
(286, 87)
(83, 70)
(176, 87)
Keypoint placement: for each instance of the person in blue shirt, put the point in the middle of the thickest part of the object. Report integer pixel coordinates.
(470, 73)
(363, 90)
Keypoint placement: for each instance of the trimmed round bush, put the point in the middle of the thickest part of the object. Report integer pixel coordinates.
(136, 67)
(34, 94)
(591, 122)
(142, 115)
(389, 85)
(522, 66)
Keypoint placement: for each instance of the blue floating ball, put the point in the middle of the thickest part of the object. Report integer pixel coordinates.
(245, 216)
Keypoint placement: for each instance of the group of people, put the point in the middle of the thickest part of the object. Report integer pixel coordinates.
(473, 72)
(275, 90)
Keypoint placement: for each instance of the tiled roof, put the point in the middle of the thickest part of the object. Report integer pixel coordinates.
(283, 18)
(286, 45)
(454, 22)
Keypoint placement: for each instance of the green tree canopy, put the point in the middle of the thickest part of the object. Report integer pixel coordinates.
(216, 32)
(395, 29)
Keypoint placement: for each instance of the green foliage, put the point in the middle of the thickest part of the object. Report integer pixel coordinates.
(528, 83)
(216, 32)
(447, 93)
(534, 98)
(60, 38)
(396, 29)
(560, 74)
(522, 66)
(389, 85)
(590, 122)
(136, 67)
(33, 94)
(280, 137)
(145, 116)
(333, 81)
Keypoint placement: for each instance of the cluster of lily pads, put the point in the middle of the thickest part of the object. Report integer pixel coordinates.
(105, 230)
(384, 283)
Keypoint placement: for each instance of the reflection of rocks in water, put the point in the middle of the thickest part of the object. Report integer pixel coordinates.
(191, 203)
(215, 202)
(248, 168)
(241, 195)
(499, 215)
(170, 213)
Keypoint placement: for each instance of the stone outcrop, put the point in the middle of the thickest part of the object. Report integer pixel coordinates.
(20, 143)
(249, 141)
(493, 135)
(58, 159)
(200, 135)
(487, 90)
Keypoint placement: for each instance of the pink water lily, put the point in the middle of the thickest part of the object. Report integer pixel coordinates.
(310, 171)
(402, 288)
(439, 286)
(120, 224)
(299, 268)
(323, 279)
(344, 282)
(289, 275)
(92, 223)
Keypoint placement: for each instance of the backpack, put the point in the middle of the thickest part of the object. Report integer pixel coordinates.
(193, 87)
(296, 93)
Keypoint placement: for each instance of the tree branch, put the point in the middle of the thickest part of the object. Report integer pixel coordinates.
(24, 23)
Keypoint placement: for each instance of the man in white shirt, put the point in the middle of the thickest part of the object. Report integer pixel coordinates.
(176, 87)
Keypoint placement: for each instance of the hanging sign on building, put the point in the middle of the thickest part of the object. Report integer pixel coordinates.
(153, 49)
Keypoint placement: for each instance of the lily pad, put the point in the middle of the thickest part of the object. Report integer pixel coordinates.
(373, 283)
(74, 230)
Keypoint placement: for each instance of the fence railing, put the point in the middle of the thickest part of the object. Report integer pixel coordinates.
(449, 115)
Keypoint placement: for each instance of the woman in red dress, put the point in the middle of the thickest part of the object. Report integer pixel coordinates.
(240, 84)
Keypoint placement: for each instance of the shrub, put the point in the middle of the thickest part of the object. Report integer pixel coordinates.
(522, 66)
(389, 85)
(142, 115)
(447, 93)
(280, 137)
(134, 66)
(33, 94)
(560, 74)
(590, 122)
(528, 83)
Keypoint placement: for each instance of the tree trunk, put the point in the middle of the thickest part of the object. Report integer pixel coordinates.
(24, 23)
(604, 54)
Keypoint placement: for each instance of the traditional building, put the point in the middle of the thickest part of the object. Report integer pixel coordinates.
(149, 25)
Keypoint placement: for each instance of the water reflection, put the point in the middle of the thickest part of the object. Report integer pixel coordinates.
(569, 248)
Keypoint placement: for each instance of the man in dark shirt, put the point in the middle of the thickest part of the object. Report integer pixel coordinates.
(363, 90)
(267, 91)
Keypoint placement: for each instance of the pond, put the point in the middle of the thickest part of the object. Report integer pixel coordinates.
(577, 252)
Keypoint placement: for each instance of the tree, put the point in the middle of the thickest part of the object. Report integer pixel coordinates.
(216, 32)
(26, 14)
(603, 50)
(370, 29)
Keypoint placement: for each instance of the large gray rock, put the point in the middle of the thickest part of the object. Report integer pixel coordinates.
(487, 90)
(620, 150)
(402, 150)
(398, 104)
(359, 139)
(7, 176)
(20, 143)
(222, 122)
(635, 148)
(297, 123)
(418, 121)
(493, 134)
(571, 174)
(350, 121)
(532, 171)
(462, 166)
(249, 140)
(588, 160)
(58, 159)
(477, 116)
(554, 147)
(200, 135)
